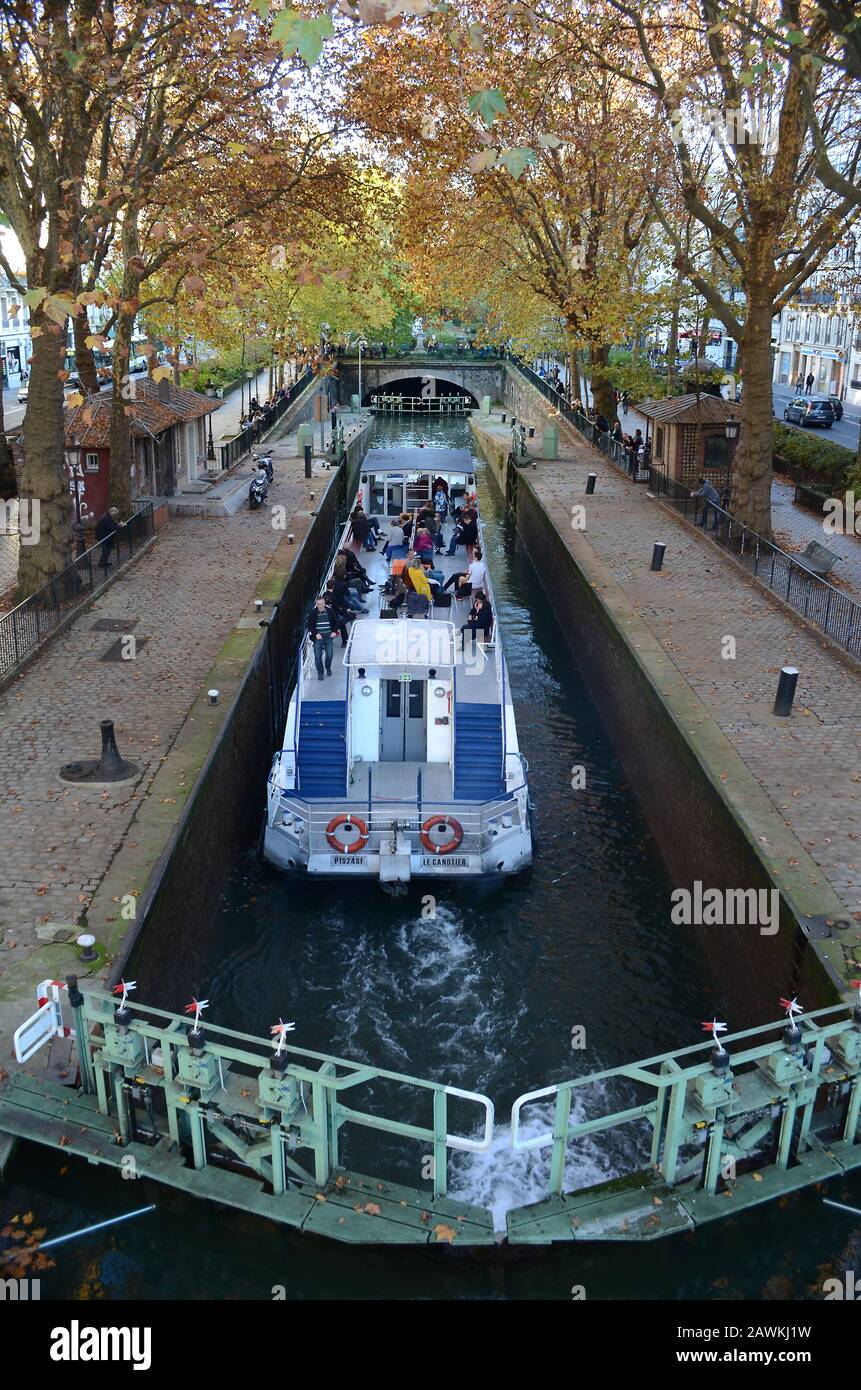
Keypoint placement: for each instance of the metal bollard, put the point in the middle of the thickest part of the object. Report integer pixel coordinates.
(785, 692)
(503, 417)
(657, 555)
(334, 421)
(591, 480)
(308, 470)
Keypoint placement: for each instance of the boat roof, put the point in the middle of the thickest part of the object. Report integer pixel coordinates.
(425, 460)
(401, 642)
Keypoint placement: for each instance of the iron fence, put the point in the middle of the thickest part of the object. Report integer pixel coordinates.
(246, 439)
(27, 625)
(624, 458)
(810, 595)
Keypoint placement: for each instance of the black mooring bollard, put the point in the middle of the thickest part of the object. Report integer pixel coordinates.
(657, 555)
(785, 691)
(308, 471)
(591, 480)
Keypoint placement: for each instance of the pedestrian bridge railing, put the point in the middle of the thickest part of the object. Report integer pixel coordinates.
(420, 405)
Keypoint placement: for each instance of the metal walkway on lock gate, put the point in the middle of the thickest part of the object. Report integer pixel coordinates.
(219, 1114)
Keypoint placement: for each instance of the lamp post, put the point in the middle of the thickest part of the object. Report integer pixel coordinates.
(732, 431)
(78, 483)
(210, 447)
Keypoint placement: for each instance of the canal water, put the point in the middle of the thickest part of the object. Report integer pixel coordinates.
(485, 991)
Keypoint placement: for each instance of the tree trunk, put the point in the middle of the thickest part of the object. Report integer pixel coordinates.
(673, 344)
(44, 483)
(123, 395)
(8, 481)
(603, 398)
(752, 466)
(85, 361)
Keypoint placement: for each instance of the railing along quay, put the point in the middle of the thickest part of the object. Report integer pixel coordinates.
(613, 449)
(810, 595)
(35, 618)
(246, 439)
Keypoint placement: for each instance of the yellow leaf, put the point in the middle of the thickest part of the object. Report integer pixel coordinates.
(444, 1233)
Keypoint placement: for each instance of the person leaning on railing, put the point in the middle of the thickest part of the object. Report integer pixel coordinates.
(711, 501)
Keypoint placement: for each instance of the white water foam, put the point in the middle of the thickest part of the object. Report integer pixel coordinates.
(503, 1178)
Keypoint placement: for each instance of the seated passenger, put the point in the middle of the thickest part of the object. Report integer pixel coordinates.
(395, 545)
(480, 618)
(424, 541)
(434, 576)
(419, 581)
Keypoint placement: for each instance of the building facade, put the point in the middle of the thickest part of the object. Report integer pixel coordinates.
(16, 345)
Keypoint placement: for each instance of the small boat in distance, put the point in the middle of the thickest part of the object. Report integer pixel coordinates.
(404, 763)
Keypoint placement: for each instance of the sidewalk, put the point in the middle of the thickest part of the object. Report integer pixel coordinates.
(794, 526)
(809, 766)
(180, 601)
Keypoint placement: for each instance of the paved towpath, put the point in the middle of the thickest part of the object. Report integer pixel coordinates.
(180, 601)
(810, 765)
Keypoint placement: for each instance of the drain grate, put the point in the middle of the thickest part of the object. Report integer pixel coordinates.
(114, 624)
(115, 650)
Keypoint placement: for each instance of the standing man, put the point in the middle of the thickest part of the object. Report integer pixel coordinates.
(322, 623)
(106, 531)
(809, 382)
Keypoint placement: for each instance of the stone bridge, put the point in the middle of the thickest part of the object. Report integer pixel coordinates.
(414, 374)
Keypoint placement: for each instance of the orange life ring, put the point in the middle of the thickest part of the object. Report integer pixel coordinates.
(354, 822)
(456, 834)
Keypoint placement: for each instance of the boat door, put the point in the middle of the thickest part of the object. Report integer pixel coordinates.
(404, 722)
(394, 496)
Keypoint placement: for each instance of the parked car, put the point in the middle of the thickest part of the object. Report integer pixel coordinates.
(23, 393)
(810, 410)
(838, 407)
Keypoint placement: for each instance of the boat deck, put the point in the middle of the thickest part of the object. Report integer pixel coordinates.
(476, 675)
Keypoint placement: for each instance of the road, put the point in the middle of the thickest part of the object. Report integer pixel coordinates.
(225, 421)
(843, 431)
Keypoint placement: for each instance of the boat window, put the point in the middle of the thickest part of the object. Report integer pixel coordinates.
(377, 497)
(416, 700)
(393, 699)
(418, 490)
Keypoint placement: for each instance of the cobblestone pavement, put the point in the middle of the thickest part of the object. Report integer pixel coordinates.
(184, 596)
(795, 526)
(809, 765)
(8, 548)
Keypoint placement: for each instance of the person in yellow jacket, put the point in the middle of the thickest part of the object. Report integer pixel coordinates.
(420, 582)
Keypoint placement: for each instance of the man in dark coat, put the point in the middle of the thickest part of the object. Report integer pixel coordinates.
(106, 530)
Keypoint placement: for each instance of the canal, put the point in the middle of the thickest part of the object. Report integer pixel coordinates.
(480, 990)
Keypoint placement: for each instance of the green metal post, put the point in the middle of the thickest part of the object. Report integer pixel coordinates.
(198, 1137)
(279, 1178)
(714, 1156)
(560, 1139)
(82, 1034)
(440, 1128)
(102, 1091)
(852, 1112)
(121, 1102)
(787, 1124)
(320, 1107)
(675, 1127)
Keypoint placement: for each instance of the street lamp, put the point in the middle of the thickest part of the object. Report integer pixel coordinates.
(78, 483)
(210, 448)
(732, 428)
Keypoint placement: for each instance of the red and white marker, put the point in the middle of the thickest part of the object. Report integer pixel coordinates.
(280, 1030)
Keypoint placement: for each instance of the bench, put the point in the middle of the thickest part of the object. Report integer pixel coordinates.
(808, 495)
(818, 559)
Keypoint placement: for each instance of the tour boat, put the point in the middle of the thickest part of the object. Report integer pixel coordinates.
(404, 763)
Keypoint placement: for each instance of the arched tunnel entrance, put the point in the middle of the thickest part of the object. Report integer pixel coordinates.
(420, 391)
